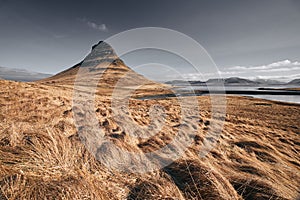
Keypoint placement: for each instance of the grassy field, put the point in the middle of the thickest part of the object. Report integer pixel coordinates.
(42, 157)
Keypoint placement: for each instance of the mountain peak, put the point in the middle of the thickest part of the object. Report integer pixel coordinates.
(101, 52)
(100, 42)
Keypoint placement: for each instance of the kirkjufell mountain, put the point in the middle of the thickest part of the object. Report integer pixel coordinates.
(104, 64)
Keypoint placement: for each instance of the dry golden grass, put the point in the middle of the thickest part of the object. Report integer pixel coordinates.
(41, 156)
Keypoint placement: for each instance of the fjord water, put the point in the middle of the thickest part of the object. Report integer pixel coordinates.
(283, 98)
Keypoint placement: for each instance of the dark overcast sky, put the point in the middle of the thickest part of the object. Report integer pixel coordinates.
(49, 36)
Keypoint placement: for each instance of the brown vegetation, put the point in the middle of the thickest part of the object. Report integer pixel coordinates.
(257, 156)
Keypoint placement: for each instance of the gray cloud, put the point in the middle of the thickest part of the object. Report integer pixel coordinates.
(282, 70)
(277, 77)
(285, 70)
(93, 25)
(100, 27)
(285, 65)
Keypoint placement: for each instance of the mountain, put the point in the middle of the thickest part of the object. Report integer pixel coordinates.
(294, 82)
(103, 67)
(21, 74)
(229, 81)
(226, 81)
(182, 82)
(239, 81)
(269, 81)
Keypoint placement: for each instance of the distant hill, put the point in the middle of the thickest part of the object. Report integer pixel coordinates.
(294, 82)
(268, 81)
(232, 81)
(21, 74)
(182, 82)
(227, 81)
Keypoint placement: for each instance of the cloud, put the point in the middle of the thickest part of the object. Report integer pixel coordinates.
(93, 25)
(100, 27)
(276, 77)
(285, 65)
(282, 70)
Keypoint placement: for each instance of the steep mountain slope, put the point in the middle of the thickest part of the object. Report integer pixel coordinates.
(105, 68)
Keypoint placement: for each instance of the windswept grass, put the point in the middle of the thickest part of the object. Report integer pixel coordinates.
(42, 157)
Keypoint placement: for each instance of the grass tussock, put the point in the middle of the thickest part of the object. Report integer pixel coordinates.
(159, 186)
(50, 166)
(198, 181)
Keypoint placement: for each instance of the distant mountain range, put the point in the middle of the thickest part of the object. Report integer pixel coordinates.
(234, 81)
(21, 74)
